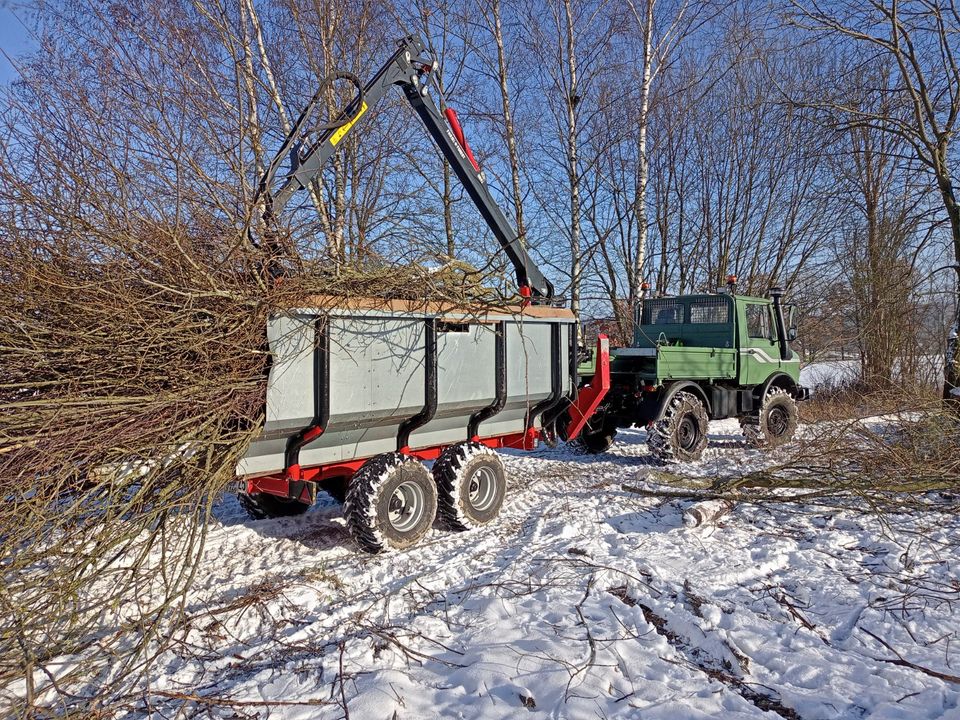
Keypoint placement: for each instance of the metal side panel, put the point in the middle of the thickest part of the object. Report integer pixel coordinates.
(290, 391)
(290, 388)
(376, 382)
(376, 366)
(528, 375)
(465, 382)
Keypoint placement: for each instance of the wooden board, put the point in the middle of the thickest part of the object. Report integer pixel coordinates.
(327, 302)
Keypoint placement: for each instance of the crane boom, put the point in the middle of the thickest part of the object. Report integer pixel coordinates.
(410, 67)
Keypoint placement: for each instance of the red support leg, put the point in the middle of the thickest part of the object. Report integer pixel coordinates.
(590, 396)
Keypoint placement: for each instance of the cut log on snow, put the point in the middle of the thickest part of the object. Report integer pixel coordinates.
(670, 479)
(706, 512)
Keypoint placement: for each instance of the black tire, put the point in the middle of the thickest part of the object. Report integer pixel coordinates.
(391, 503)
(471, 485)
(262, 506)
(775, 424)
(596, 435)
(681, 435)
(336, 488)
(593, 443)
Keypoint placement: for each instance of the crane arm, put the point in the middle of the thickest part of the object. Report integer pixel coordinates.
(410, 67)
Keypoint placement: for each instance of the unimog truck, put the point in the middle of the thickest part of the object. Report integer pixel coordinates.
(696, 358)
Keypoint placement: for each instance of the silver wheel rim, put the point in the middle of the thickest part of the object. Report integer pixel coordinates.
(482, 488)
(406, 506)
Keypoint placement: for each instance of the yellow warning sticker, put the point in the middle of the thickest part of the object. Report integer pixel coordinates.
(344, 129)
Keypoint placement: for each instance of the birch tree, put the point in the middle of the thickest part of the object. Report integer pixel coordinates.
(662, 26)
(492, 12)
(571, 44)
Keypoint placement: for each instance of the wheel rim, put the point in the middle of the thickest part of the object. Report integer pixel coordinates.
(406, 506)
(482, 489)
(687, 433)
(777, 421)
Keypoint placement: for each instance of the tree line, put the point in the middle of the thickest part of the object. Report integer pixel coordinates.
(666, 142)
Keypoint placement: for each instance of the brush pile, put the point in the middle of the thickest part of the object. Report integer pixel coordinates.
(134, 375)
(133, 311)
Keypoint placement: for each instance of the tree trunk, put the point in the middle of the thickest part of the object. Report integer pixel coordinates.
(573, 166)
(643, 164)
(508, 127)
(274, 91)
(951, 368)
(448, 210)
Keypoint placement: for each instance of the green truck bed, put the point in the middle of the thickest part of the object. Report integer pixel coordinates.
(676, 362)
(695, 363)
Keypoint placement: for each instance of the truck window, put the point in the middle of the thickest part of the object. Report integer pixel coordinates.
(758, 321)
(710, 311)
(662, 312)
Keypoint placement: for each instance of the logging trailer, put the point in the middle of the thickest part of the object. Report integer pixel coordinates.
(362, 393)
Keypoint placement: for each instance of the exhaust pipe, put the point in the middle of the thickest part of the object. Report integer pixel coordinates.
(776, 294)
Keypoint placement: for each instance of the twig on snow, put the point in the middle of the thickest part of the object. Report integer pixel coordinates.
(903, 662)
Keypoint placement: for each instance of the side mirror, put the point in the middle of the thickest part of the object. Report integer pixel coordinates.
(791, 322)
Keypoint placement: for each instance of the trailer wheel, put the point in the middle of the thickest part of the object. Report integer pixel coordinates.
(775, 424)
(471, 483)
(681, 435)
(263, 506)
(391, 503)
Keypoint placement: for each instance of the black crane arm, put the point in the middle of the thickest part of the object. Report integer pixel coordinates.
(410, 67)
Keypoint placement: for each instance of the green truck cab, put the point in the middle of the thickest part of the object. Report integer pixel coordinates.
(696, 358)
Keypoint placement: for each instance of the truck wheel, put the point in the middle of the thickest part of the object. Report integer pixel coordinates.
(471, 483)
(391, 503)
(263, 506)
(682, 433)
(595, 442)
(775, 424)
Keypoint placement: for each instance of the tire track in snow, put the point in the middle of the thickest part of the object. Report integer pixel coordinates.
(702, 659)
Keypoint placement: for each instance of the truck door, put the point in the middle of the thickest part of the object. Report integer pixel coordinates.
(759, 351)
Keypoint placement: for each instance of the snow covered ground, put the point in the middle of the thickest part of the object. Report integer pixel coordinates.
(581, 601)
(826, 374)
(829, 373)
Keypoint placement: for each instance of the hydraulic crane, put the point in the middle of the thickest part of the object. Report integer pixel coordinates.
(413, 69)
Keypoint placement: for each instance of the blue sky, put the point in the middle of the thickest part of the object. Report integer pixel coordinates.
(14, 40)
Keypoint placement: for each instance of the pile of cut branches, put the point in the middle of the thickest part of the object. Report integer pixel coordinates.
(135, 366)
(134, 300)
(883, 464)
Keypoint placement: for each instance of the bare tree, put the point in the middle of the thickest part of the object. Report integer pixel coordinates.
(576, 35)
(763, 195)
(443, 26)
(881, 208)
(492, 13)
(662, 26)
(737, 181)
(918, 39)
